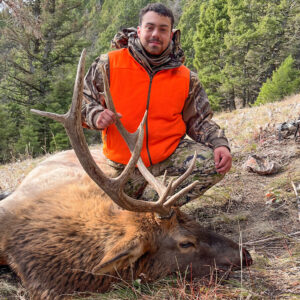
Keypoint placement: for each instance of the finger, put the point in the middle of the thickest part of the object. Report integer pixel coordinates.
(104, 120)
(99, 123)
(108, 113)
(110, 119)
(222, 163)
(225, 168)
(222, 170)
(217, 159)
(112, 115)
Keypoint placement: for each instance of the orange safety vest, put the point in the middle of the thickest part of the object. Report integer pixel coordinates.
(133, 91)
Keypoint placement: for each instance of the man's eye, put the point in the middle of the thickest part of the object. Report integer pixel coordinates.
(186, 245)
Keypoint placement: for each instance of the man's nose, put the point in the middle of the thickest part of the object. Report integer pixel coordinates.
(155, 32)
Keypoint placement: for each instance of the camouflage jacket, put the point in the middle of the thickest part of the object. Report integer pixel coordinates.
(196, 113)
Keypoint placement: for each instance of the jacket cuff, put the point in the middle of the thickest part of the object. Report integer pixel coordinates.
(95, 118)
(220, 142)
(92, 118)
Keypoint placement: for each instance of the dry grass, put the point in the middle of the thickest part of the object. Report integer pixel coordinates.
(237, 207)
(243, 126)
(12, 174)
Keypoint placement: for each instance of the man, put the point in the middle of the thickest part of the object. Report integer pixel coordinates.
(147, 73)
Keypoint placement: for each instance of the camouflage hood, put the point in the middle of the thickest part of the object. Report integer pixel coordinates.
(171, 58)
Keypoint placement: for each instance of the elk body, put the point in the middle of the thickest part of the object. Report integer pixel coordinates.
(62, 234)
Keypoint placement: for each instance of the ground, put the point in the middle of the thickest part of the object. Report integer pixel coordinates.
(260, 211)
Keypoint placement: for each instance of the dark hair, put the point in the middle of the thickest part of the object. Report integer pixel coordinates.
(159, 9)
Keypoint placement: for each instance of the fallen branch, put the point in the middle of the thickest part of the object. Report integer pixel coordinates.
(272, 238)
(296, 189)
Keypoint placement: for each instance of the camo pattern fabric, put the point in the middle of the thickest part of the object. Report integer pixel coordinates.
(175, 165)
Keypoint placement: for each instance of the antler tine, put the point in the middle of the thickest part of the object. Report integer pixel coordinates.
(130, 138)
(56, 117)
(160, 187)
(135, 154)
(180, 194)
(179, 180)
(186, 174)
(76, 99)
(173, 185)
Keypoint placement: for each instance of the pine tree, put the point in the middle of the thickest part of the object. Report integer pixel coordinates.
(187, 25)
(43, 40)
(284, 82)
(45, 36)
(239, 42)
(209, 47)
(9, 135)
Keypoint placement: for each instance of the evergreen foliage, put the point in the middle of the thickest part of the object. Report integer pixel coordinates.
(187, 25)
(9, 119)
(42, 42)
(235, 45)
(284, 82)
(209, 47)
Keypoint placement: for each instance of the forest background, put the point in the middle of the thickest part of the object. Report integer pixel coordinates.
(244, 52)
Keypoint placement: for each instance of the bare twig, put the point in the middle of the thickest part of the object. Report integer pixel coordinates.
(296, 190)
(273, 238)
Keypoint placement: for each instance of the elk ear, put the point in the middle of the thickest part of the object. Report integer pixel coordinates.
(122, 255)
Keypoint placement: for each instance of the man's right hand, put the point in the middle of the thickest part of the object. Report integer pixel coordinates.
(106, 118)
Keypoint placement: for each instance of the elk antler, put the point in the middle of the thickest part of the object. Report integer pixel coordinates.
(114, 186)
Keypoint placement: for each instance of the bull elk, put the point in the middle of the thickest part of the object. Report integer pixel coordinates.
(61, 234)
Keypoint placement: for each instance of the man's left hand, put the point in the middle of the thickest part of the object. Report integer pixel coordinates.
(223, 159)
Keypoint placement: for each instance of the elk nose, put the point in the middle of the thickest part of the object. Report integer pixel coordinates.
(247, 259)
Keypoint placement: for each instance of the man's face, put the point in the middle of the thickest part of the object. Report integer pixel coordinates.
(155, 32)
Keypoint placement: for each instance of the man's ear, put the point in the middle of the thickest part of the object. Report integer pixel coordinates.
(138, 31)
(121, 256)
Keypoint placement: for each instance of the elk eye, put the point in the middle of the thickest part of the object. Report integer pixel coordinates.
(186, 245)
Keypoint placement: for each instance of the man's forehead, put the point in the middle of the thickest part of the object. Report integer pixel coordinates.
(153, 18)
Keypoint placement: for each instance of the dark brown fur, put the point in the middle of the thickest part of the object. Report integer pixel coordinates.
(65, 236)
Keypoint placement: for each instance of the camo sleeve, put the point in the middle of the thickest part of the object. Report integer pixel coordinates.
(93, 100)
(197, 115)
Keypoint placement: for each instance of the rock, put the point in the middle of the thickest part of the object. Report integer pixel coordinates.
(261, 166)
(288, 129)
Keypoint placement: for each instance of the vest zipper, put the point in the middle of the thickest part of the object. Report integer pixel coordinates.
(147, 107)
